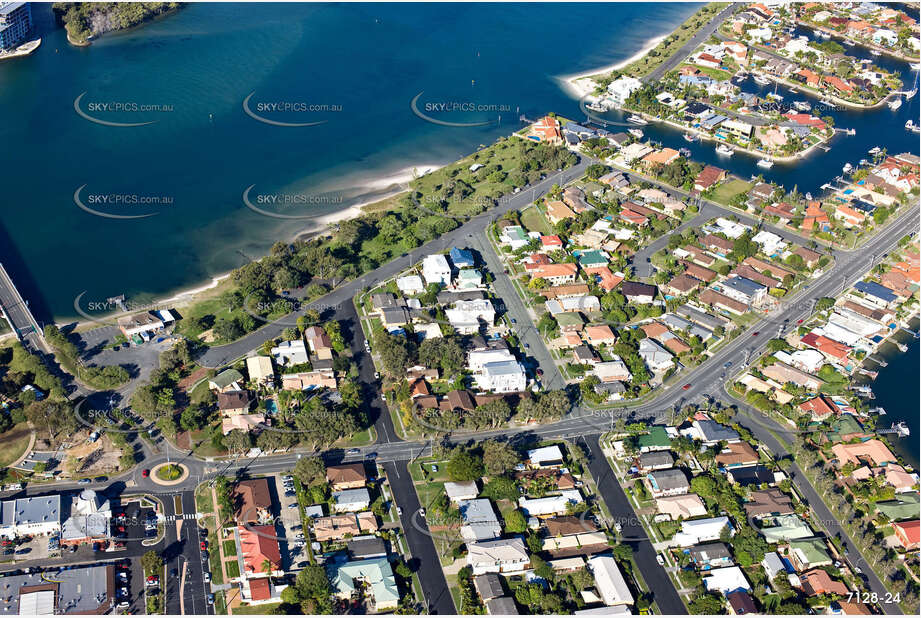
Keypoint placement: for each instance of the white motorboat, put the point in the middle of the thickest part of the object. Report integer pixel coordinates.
(848, 168)
(895, 104)
(911, 126)
(775, 96)
(916, 66)
(636, 119)
(802, 106)
(635, 133)
(685, 152)
(762, 80)
(848, 43)
(691, 137)
(874, 52)
(765, 163)
(876, 149)
(724, 150)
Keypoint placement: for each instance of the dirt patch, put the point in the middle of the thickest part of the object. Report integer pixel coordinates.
(187, 382)
(88, 459)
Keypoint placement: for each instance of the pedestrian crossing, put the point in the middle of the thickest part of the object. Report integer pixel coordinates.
(183, 516)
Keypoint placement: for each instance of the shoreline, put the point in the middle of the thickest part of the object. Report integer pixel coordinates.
(378, 190)
(572, 82)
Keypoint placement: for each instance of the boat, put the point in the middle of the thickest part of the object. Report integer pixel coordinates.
(911, 126)
(802, 106)
(765, 163)
(685, 152)
(874, 52)
(636, 119)
(848, 168)
(761, 79)
(635, 133)
(916, 66)
(862, 162)
(850, 131)
(597, 106)
(876, 149)
(775, 96)
(824, 35)
(809, 196)
(878, 410)
(895, 104)
(723, 149)
(848, 43)
(693, 137)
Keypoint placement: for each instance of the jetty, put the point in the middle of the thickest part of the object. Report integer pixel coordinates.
(900, 429)
(15, 310)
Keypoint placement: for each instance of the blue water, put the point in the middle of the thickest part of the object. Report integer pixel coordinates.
(890, 389)
(203, 62)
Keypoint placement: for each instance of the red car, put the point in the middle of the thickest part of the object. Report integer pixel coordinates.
(756, 333)
(145, 473)
(685, 387)
(799, 321)
(204, 545)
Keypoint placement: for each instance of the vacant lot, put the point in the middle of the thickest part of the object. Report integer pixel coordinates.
(724, 193)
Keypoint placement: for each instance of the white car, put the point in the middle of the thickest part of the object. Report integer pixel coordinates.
(660, 559)
(123, 605)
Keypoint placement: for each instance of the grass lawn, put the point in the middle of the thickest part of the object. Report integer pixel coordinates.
(203, 500)
(266, 608)
(230, 548)
(13, 443)
(362, 438)
(214, 558)
(170, 472)
(724, 193)
(717, 74)
(4, 327)
(534, 221)
(233, 568)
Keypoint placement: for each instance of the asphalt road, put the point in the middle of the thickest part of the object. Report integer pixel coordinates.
(17, 312)
(685, 50)
(425, 559)
(183, 550)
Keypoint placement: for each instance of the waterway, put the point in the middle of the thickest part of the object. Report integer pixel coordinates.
(203, 150)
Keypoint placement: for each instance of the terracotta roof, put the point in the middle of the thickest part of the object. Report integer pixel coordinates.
(258, 544)
(818, 581)
(712, 240)
(599, 332)
(819, 407)
(565, 526)
(555, 270)
(698, 272)
(709, 176)
(250, 497)
(346, 473)
(737, 453)
(260, 589)
(768, 502)
(684, 283)
(712, 297)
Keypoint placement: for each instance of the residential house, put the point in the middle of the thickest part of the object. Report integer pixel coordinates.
(609, 581)
(373, 577)
(871, 451)
(290, 353)
(727, 580)
(479, 520)
(227, 380)
(435, 269)
(655, 460)
(551, 505)
(600, 334)
(507, 556)
(709, 177)
(743, 290)
(817, 581)
(696, 531)
(737, 454)
(556, 274)
(351, 500)
(260, 370)
(710, 556)
(233, 402)
(638, 292)
(320, 344)
(548, 130)
(908, 534)
(252, 501)
(460, 491)
(337, 527)
(786, 528)
(656, 357)
(346, 476)
(671, 482)
(681, 507)
(558, 211)
(809, 553)
(259, 546)
(546, 457)
(721, 301)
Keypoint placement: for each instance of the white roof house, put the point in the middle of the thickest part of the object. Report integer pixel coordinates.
(290, 352)
(655, 356)
(428, 330)
(622, 87)
(411, 284)
(551, 505)
(770, 243)
(772, 565)
(807, 360)
(699, 530)
(35, 515)
(351, 500)
(546, 456)
(499, 556)
(854, 322)
(731, 229)
(726, 580)
(458, 491)
(480, 521)
(477, 358)
(609, 581)
(435, 269)
(502, 377)
(465, 316)
(614, 370)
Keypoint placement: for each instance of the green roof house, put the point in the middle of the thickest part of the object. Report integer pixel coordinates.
(469, 278)
(570, 321)
(225, 380)
(656, 440)
(592, 258)
(809, 553)
(787, 528)
(375, 573)
(904, 506)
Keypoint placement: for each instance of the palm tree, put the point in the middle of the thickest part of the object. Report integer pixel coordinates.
(267, 566)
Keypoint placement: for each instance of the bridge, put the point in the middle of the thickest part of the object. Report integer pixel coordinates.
(15, 310)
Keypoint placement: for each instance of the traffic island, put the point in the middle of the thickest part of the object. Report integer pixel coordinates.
(169, 474)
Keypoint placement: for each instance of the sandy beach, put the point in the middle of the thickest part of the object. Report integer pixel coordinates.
(581, 84)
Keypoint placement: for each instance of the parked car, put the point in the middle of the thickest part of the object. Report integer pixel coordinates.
(660, 559)
(206, 576)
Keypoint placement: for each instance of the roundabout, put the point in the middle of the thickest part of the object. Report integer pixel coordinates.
(169, 474)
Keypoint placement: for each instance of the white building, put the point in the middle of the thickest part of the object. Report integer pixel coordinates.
(89, 519)
(613, 371)
(30, 516)
(545, 457)
(609, 581)
(500, 556)
(351, 500)
(477, 358)
(551, 505)
(465, 316)
(502, 377)
(700, 530)
(622, 87)
(290, 353)
(726, 580)
(480, 521)
(411, 284)
(731, 229)
(771, 243)
(435, 269)
(655, 356)
(460, 491)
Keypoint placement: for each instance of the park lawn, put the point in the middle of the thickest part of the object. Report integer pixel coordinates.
(534, 221)
(233, 568)
(230, 548)
(724, 193)
(204, 503)
(266, 608)
(13, 443)
(428, 492)
(362, 438)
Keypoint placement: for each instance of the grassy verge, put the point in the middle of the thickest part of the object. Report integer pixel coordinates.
(265, 608)
(13, 443)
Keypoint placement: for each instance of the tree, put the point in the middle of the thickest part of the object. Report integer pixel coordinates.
(310, 471)
(465, 466)
(706, 604)
(515, 522)
(238, 441)
(499, 457)
(824, 303)
(152, 563)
